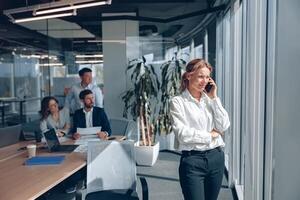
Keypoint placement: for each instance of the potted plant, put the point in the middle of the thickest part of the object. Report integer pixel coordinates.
(139, 101)
(171, 73)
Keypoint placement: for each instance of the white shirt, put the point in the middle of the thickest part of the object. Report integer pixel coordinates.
(193, 121)
(73, 101)
(88, 118)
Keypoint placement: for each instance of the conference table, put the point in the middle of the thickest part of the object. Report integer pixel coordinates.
(18, 181)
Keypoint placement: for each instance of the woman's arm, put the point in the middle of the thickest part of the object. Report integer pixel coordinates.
(221, 118)
(43, 126)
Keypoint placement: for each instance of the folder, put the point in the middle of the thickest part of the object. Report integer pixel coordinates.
(45, 160)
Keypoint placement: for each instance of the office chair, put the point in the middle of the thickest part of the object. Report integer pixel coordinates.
(118, 126)
(10, 135)
(124, 127)
(111, 171)
(132, 131)
(31, 130)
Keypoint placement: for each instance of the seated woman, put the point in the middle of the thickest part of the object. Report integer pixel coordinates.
(52, 117)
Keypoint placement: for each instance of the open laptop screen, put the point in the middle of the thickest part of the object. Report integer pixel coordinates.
(51, 139)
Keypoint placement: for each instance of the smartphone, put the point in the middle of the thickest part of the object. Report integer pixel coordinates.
(208, 87)
(112, 138)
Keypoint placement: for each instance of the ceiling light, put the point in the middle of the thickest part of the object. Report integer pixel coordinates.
(107, 41)
(53, 7)
(44, 56)
(50, 64)
(71, 7)
(88, 61)
(35, 56)
(90, 56)
(44, 17)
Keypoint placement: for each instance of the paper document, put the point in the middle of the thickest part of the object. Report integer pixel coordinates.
(89, 131)
(85, 139)
(81, 149)
(63, 139)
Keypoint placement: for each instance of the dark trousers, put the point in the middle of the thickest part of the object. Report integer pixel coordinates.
(201, 174)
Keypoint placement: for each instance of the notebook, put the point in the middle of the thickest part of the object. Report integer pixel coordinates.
(54, 144)
(45, 160)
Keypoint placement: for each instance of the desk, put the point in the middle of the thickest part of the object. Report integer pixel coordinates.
(6, 100)
(18, 181)
(12, 151)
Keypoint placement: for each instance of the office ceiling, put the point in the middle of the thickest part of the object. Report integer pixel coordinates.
(170, 19)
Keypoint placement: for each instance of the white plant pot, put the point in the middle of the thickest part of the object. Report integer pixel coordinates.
(146, 155)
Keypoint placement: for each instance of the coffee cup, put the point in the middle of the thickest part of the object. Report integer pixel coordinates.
(31, 150)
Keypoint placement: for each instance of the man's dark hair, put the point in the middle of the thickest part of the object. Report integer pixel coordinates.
(84, 70)
(83, 93)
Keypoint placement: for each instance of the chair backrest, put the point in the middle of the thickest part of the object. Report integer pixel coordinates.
(31, 130)
(132, 131)
(10, 135)
(111, 165)
(118, 126)
(125, 127)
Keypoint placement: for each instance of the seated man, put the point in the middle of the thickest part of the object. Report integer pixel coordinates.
(90, 116)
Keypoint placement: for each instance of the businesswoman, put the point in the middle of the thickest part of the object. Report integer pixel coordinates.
(53, 117)
(198, 121)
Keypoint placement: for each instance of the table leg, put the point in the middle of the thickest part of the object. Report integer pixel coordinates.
(21, 111)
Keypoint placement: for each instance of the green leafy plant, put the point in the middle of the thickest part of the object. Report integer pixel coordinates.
(171, 73)
(138, 100)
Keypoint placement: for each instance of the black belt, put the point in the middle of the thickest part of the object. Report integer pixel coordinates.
(194, 152)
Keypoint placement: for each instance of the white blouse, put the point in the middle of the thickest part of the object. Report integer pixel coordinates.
(193, 121)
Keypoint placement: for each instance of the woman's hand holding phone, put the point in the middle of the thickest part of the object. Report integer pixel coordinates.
(211, 89)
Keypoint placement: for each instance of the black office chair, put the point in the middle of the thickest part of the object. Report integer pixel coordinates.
(31, 131)
(10, 135)
(111, 172)
(124, 127)
(118, 126)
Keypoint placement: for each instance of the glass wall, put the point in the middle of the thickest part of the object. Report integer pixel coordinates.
(20, 91)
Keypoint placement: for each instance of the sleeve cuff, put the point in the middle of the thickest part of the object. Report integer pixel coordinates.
(106, 133)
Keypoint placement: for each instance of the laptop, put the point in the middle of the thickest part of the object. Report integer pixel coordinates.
(54, 144)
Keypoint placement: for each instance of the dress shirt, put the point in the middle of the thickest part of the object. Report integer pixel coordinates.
(73, 101)
(88, 118)
(193, 121)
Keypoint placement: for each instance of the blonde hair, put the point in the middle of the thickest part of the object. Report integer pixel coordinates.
(191, 67)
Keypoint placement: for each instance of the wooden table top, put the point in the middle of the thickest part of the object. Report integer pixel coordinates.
(18, 181)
